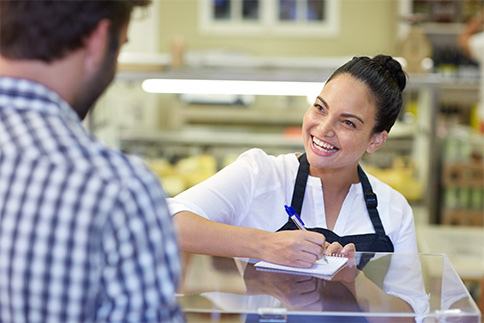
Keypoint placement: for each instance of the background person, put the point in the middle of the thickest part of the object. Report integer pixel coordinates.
(85, 234)
(471, 41)
(240, 210)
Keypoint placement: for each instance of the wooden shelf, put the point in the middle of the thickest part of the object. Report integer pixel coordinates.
(463, 217)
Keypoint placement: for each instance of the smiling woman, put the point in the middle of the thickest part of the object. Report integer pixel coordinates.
(339, 126)
(240, 210)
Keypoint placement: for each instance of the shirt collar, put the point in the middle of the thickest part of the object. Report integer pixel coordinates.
(30, 95)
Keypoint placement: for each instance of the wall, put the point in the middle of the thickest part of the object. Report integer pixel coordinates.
(367, 27)
(143, 35)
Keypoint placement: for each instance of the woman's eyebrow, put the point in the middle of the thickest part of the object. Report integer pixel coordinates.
(345, 115)
(349, 115)
(323, 102)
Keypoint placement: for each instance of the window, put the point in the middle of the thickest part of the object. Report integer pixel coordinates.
(270, 17)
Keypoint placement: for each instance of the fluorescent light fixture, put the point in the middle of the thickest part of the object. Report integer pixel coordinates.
(180, 86)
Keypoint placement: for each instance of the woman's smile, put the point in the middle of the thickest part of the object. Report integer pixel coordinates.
(323, 147)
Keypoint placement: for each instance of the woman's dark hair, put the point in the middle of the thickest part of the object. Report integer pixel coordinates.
(49, 29)
(385, 79)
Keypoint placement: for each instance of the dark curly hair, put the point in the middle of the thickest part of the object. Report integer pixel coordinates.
(385, 79)
(49, 29)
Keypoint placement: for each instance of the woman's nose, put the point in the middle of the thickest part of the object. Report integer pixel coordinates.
(326, 128)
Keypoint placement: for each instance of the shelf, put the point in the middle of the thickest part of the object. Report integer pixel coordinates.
(440, 28)
(415, 81)
(240, 115)
(403, 130)
(443, 81)
(213, 138)
(463, 217)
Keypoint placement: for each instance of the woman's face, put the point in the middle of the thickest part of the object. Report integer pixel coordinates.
(337, 128)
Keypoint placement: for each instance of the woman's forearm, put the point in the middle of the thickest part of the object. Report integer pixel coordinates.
(295, 247)
(199, 235)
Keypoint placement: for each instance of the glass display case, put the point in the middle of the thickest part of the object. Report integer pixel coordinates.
(371, 287)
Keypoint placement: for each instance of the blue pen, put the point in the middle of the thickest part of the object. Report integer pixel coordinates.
(298, 222)
(294, 217)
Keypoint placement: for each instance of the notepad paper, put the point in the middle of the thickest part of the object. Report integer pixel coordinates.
(319, 269)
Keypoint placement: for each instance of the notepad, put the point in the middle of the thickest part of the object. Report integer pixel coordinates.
(320, 268)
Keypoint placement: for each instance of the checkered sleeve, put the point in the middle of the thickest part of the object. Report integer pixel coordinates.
(141, 257)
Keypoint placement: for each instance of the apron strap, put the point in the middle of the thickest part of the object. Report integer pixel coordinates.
(300, 185)
(368, 194)
(371, 202)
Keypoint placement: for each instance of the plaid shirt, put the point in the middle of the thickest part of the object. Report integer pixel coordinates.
(85, 233)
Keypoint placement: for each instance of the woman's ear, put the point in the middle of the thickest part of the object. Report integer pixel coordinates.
(377, 140)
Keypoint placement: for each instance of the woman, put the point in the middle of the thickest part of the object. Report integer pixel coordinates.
(239, 212)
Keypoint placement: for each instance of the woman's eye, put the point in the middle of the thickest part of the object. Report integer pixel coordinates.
(350, 123)
(318, 106)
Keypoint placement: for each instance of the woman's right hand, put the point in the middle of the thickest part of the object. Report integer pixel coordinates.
(292, 248)
(295, 248)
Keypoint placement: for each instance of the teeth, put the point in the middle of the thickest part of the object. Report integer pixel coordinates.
(322, 145)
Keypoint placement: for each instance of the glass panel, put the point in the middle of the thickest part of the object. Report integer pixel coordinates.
(424, 286)
(250, 9)
(315, 10)
(221, 9)
(287, 10)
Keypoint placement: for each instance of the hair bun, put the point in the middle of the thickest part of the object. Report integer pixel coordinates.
(394, 68)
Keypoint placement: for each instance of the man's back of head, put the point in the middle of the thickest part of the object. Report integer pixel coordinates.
(66, 46)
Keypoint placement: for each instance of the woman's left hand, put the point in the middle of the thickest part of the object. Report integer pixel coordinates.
(336, 248)
(349, 272)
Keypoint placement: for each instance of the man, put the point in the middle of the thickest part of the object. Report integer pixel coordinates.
(85, 234)
(471, 40)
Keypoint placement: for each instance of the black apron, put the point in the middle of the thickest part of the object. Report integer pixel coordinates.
(372, 242)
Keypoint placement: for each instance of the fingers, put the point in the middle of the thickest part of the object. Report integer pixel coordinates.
(292, 248)
(303, 248)
(317, 244)
(308, 249)
(320, 247)
(348, 250)
(314, 237)
(336, 249)
(302, 263)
